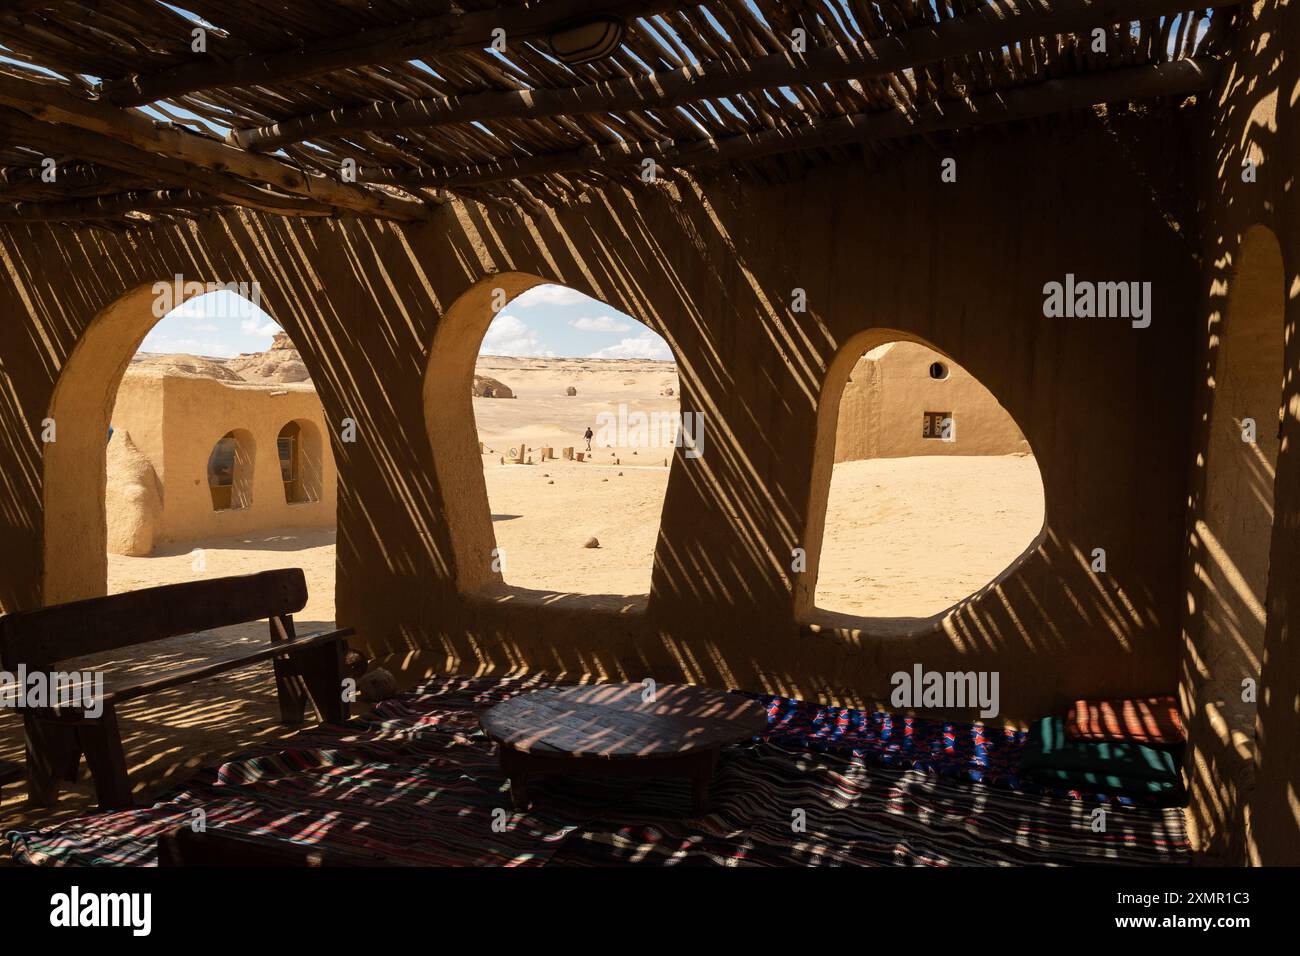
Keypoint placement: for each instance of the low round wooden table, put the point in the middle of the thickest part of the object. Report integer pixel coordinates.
(613, 730)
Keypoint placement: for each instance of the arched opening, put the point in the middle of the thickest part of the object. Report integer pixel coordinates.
(553, 420)
(925, 489)
(191, 384)
(230, 471)
(1234, 530)
(300, 451)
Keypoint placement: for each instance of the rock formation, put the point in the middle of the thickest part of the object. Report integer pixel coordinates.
(177, 364)
(280, 364)
(485, 387)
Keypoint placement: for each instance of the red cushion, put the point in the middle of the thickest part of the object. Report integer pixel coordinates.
(1149, 720)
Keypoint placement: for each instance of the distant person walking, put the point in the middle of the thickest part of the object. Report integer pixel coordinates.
(588, 436)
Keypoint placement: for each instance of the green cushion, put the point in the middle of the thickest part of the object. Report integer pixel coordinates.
(1111, 783)
(1051, 755)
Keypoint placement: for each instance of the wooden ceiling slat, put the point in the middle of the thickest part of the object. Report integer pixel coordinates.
(1183, 77)
(328, 80)
(990, 28)
(367, 48)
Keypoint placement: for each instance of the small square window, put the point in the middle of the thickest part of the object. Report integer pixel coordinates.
(938, 425)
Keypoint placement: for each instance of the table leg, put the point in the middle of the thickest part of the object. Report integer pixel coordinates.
(700, 794)
(514, 766)
(705, 767)
(519, 789)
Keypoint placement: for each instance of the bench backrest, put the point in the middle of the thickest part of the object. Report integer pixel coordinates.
(44, 637)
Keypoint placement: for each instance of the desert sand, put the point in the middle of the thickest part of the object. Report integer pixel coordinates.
(542, 414)
(906, 537)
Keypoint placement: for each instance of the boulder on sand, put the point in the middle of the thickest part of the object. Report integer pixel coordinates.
(133, 498)
(485, 387)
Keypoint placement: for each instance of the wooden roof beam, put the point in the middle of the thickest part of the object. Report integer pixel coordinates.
(990, 28)
(105, 207)
(53, 103)
(79, 176)
(408, 41)
(1177, 78)
(66, 141)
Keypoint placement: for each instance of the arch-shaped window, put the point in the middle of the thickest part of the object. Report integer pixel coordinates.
(224, 363)
(562, 488)
(301, 454)
(920, 513)
(230, 471)
(1235, 527)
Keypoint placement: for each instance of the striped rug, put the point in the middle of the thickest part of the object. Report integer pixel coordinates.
(417, 781)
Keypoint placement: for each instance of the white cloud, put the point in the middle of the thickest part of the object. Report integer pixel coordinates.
(647, 345)
(218, 305)
(548, 295)
(600, 323)
(507, 335)
(186, 346)
(253, 327)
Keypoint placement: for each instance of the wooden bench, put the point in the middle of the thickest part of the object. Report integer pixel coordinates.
(306, 667)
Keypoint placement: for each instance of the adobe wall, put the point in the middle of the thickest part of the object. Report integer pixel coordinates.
(1242, 602)
(890, 390)
(176, 420)
(711, 266)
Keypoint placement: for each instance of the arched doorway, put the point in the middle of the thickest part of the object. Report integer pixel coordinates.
(925, 489)
(1241, 464)
(1234, 529)
(301, 454)
(165, 454)
(520, 371)
(230, 471)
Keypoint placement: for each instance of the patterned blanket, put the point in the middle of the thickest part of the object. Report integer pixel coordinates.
(417, 781)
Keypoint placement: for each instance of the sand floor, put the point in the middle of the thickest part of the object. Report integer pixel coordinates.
(905, 536)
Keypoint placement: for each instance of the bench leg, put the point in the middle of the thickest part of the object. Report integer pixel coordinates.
(291, 692)
(102, 742)
(321, 670)
(53, 757)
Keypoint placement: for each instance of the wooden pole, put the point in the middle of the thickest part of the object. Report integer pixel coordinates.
(1179, 78)
(52, 103)
(990, 28)
(61, 140)
(105, 207)
(407, 41)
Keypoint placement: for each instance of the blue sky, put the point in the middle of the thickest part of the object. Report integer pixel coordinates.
(219, 324)
(552, 320)
(547, 320)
